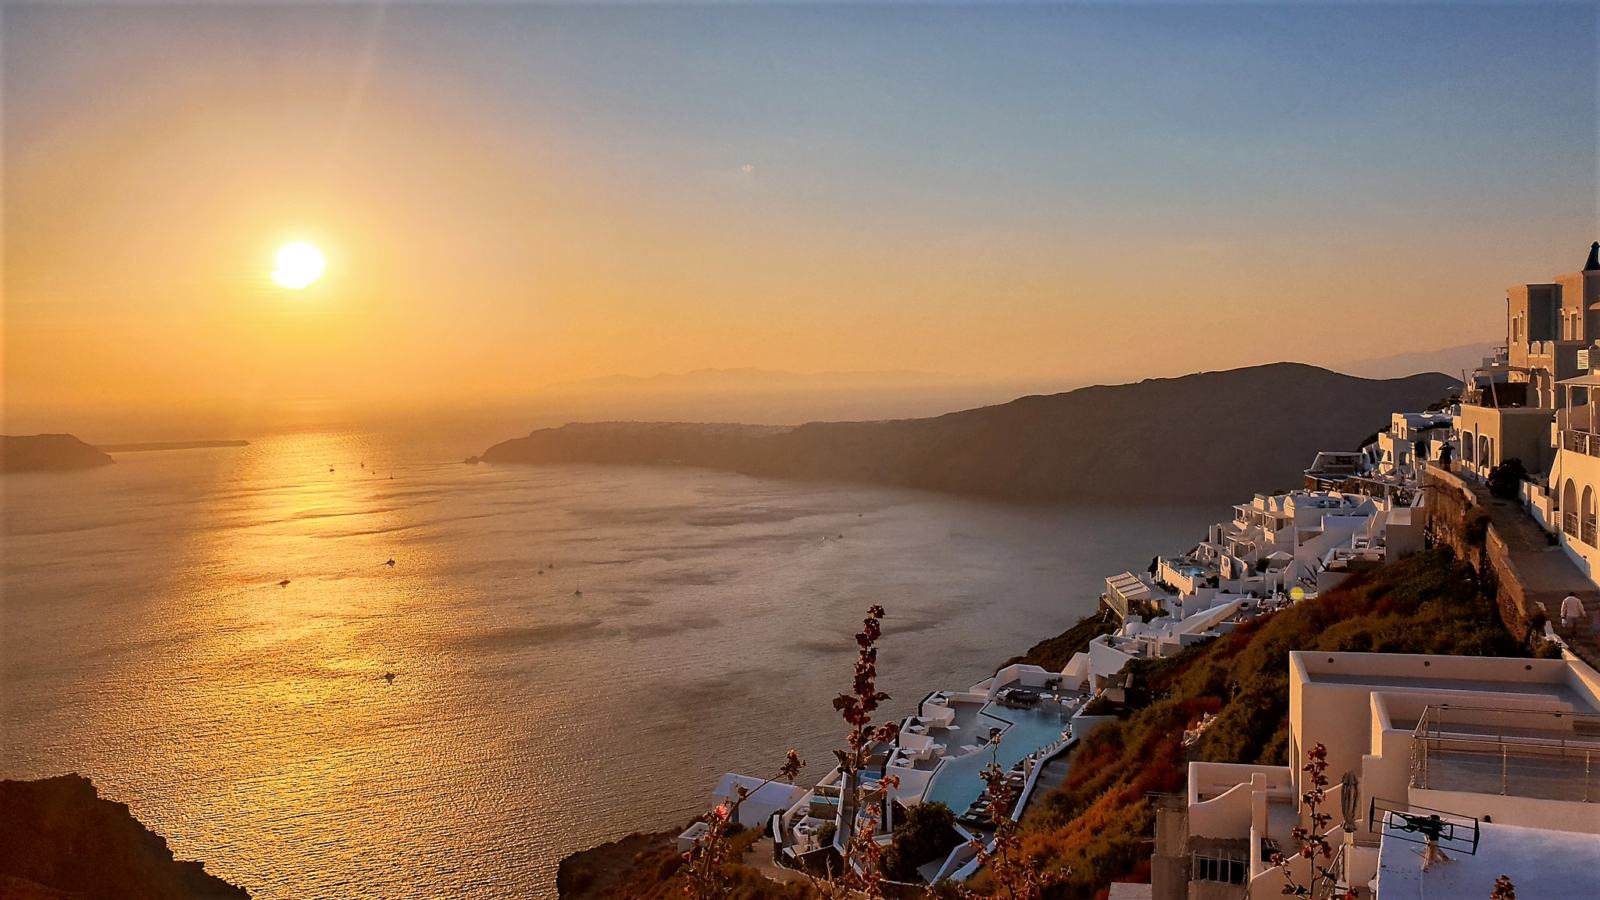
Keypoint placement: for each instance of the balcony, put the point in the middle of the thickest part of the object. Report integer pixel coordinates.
(1538, 754)
(1584, 529)
(1581, 442)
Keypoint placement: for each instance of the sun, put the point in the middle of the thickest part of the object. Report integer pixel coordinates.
(299, 265)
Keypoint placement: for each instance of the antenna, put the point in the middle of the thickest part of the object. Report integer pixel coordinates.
(1433, 828)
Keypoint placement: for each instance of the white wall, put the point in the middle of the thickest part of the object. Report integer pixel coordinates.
(1584, 471)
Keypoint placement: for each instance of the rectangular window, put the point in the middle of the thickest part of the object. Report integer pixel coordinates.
(1220, 866)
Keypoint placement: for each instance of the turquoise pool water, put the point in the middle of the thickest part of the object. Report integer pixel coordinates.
(957, 782)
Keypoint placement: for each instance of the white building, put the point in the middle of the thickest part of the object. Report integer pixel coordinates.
(1020, 718)
(1497, 748)
(1411, 440)
(1090, 670)
(1552, 340)
(1279, 542)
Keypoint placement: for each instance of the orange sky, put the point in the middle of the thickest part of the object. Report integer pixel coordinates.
(516, 196)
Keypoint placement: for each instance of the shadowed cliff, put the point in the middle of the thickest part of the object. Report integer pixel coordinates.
(1209, 436)
(58, 838)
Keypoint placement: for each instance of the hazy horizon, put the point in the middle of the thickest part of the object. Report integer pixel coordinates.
(749, 396)
(509, 197)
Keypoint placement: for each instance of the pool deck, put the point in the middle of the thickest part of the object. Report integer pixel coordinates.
(957, 781)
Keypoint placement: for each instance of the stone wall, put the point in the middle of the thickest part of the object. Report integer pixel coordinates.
(1451, 505)
(1457, 518)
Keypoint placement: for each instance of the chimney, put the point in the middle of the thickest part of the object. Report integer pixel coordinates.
(1593, 265)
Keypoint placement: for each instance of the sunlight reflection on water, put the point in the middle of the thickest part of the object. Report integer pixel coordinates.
(147, 644)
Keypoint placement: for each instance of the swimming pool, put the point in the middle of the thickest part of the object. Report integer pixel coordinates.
(957, 782)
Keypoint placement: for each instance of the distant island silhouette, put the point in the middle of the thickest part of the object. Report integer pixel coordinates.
(1202, 437)
(48, 453)
(147, 446)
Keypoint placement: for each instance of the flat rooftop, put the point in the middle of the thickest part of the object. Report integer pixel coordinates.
(1546, 679)
(1541, 863)
(1552, 691)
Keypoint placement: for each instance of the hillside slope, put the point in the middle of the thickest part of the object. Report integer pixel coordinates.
(1210, 436)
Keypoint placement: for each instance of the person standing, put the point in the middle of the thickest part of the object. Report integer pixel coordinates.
(1571, 611)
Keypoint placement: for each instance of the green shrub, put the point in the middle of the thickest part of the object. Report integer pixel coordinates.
(1054, 653)
(1505, 480)
(927, 833)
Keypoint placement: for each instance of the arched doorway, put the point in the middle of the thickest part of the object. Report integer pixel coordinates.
(1587, 535)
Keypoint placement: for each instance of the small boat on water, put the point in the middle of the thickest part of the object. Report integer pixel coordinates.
(389, 677)
(390, 563)
(579, 591)
(283, 583)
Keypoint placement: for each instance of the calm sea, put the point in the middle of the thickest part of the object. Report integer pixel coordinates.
(147, 644)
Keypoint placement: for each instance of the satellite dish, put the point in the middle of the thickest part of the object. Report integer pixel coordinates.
(1349, 800)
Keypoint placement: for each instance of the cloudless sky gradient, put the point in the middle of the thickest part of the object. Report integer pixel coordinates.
(515, 195)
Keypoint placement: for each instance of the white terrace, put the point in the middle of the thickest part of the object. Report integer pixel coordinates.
(1480, 740)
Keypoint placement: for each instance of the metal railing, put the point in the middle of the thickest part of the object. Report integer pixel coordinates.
(1581, 442)
(1541, 754)
(1584, 529)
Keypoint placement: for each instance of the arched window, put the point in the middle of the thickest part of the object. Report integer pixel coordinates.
(1469, 448)
(1485, 457)
(1569, 509)
(1587, 535)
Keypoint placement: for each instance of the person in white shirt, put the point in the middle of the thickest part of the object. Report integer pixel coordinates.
(1571, 610)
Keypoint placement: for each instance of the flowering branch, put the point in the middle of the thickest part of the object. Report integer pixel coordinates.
(1313, 846)
(1018, 876)
(706, 875)
(862, 808)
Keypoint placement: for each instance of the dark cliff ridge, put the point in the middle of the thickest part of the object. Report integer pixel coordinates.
(48, 453)
(58, 838)
(1204, 437)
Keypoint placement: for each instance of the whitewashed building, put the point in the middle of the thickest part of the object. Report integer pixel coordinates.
(1502, 751)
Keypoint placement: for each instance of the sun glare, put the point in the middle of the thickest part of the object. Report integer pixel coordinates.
(299, 265)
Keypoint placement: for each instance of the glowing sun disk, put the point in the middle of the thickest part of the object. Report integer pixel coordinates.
(299, 264)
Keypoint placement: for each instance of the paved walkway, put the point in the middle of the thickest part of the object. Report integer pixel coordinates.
(759, 857)
(1547, 574)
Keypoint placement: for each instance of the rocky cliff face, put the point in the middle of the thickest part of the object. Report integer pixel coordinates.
(48, 453)
(60, 839)
(1206, 437)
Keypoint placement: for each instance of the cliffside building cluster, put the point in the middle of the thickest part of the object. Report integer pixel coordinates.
(1447, 772)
